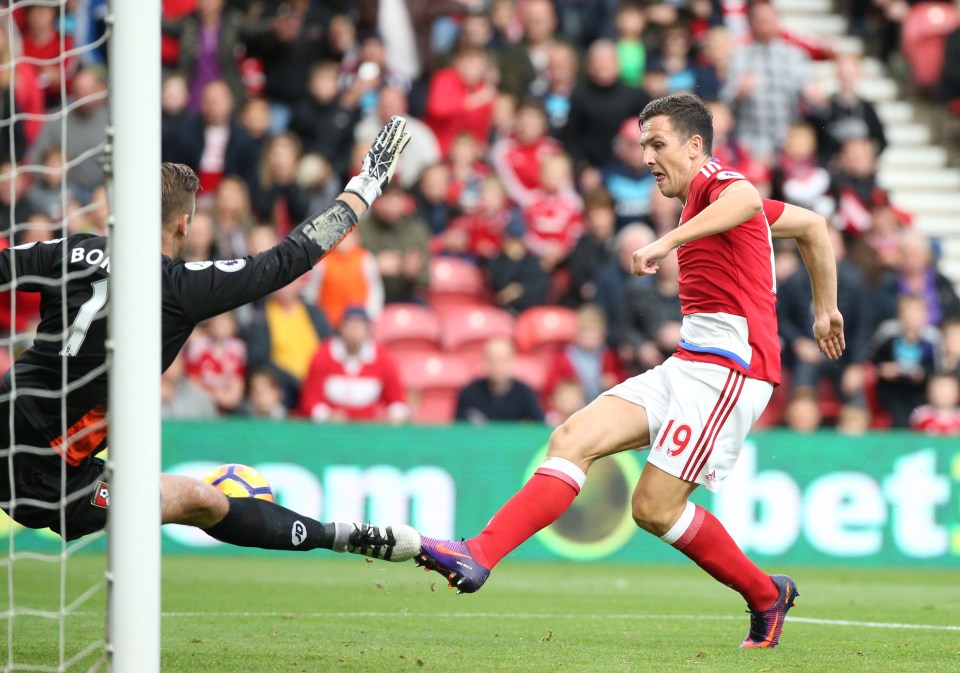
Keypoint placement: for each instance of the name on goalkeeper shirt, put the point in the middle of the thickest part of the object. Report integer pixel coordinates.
(95, 257)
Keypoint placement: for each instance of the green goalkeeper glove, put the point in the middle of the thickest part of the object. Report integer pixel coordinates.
(381, 161)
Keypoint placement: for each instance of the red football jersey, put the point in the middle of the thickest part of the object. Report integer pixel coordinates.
(727, 286)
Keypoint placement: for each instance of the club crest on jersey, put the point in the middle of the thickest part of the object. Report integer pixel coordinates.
(197, 266)
(230, 265)
(101, 495)
(729, 175)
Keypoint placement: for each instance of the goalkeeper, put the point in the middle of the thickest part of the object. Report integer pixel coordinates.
(48, 461)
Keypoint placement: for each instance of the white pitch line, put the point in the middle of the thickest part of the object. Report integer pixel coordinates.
(547, 615)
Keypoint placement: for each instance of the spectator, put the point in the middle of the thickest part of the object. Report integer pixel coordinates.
(684, 74)
(181, 398)
(498, 396)
(765, 83)
(467, 170)
(399, 241)
(612, 280)
(563, 65)
(800, 353)
(845, 114)
(255, 119)
(406, 30)
(566, 399)
(598, 106)
(27, 95)
(199, 246)
(214, 144)
(855, 186)
(594, 249)
(174, 113)
(347, 276)
(904, 354)
(279, 198)
(430, 197)
(217, 361)
(288, 38)
(802, 414)
(318, 181)
(82, 133)
(587, 360)
(461, 99)
(523, 66)
(43, 43)
(232, 218)
(554, 219)
(364, 77)
(323, 124)
(518, 159)
(917, 275)
(728, 148)
(209, 39)
(631, 52)
(478, 234)
(283, 335)
(15, 206)
(422, 151)
(797, 177)
(941, 415)
(351, 377)
(950, 356)
(950, 78)
(265, 396)
(516, 276)
(50, 194)
(627, 178)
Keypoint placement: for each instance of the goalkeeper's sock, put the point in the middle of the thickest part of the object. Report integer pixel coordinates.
(541, 501)
(251, 522)
(701, 536)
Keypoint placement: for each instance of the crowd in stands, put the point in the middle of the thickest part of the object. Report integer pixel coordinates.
(492, 280)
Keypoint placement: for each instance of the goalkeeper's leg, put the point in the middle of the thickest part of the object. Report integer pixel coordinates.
(249, 522)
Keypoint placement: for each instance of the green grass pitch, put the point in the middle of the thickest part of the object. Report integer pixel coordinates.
(319, 612)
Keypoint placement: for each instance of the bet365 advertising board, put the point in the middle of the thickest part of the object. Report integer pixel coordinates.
(879, 499)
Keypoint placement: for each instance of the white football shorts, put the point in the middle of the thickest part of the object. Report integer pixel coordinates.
(699, 415)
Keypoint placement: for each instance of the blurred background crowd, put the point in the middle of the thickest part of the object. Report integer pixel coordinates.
(491, 281)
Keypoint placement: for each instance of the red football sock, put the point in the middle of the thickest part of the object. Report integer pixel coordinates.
(701, 536)
(539, 503)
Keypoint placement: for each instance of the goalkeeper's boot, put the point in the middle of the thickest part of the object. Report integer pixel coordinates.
(454, 561)
(389, 543)
(766, 625)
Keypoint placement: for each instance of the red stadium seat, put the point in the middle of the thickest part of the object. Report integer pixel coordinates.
(545, 328)
(405, 327)
(467, 328)
(433, 380)
(456, 281)
(925, 30)
(533, 369)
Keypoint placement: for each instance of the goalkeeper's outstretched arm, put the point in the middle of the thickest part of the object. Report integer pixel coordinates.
(810, 232)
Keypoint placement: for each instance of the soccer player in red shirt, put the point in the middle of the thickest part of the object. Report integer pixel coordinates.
(693, 411)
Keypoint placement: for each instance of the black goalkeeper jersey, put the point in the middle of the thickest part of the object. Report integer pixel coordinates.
(69, 352)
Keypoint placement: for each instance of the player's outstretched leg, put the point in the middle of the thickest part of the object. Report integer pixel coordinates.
(454, 561)
(251, 522)
(766, 625)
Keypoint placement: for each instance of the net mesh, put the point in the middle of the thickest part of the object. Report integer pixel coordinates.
(53, 142)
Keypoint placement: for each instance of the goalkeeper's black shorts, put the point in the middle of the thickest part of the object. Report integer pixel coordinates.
(44, 484)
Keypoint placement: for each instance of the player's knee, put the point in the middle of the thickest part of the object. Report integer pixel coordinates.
(203, 504)
(566, 442)
(650, 515)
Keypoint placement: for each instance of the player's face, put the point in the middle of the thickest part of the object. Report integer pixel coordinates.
(671, 161)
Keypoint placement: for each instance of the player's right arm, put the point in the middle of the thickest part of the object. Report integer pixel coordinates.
(809, 230)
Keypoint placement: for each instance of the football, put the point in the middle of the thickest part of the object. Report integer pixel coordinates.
(239, 481)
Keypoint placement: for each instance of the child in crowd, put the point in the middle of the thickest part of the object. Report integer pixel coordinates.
(941, 415)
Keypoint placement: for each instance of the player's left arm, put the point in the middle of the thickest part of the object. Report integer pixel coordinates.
(739, 202)
(809, 230)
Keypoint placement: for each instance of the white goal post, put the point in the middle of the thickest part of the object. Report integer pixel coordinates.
(133, 634)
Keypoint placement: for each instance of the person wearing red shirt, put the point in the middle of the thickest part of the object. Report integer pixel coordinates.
(217, 361)
(517, 159)
(555, 217)
(942, 415)
(353, 378)
(41, 40)
(461, 98)
(694, 411)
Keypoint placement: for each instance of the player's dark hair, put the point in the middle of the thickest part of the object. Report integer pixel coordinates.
(178, 186)
(689, 116)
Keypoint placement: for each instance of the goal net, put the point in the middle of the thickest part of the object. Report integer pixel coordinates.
(58, 128)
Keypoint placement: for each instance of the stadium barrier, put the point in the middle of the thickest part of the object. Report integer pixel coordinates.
(882, 499)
